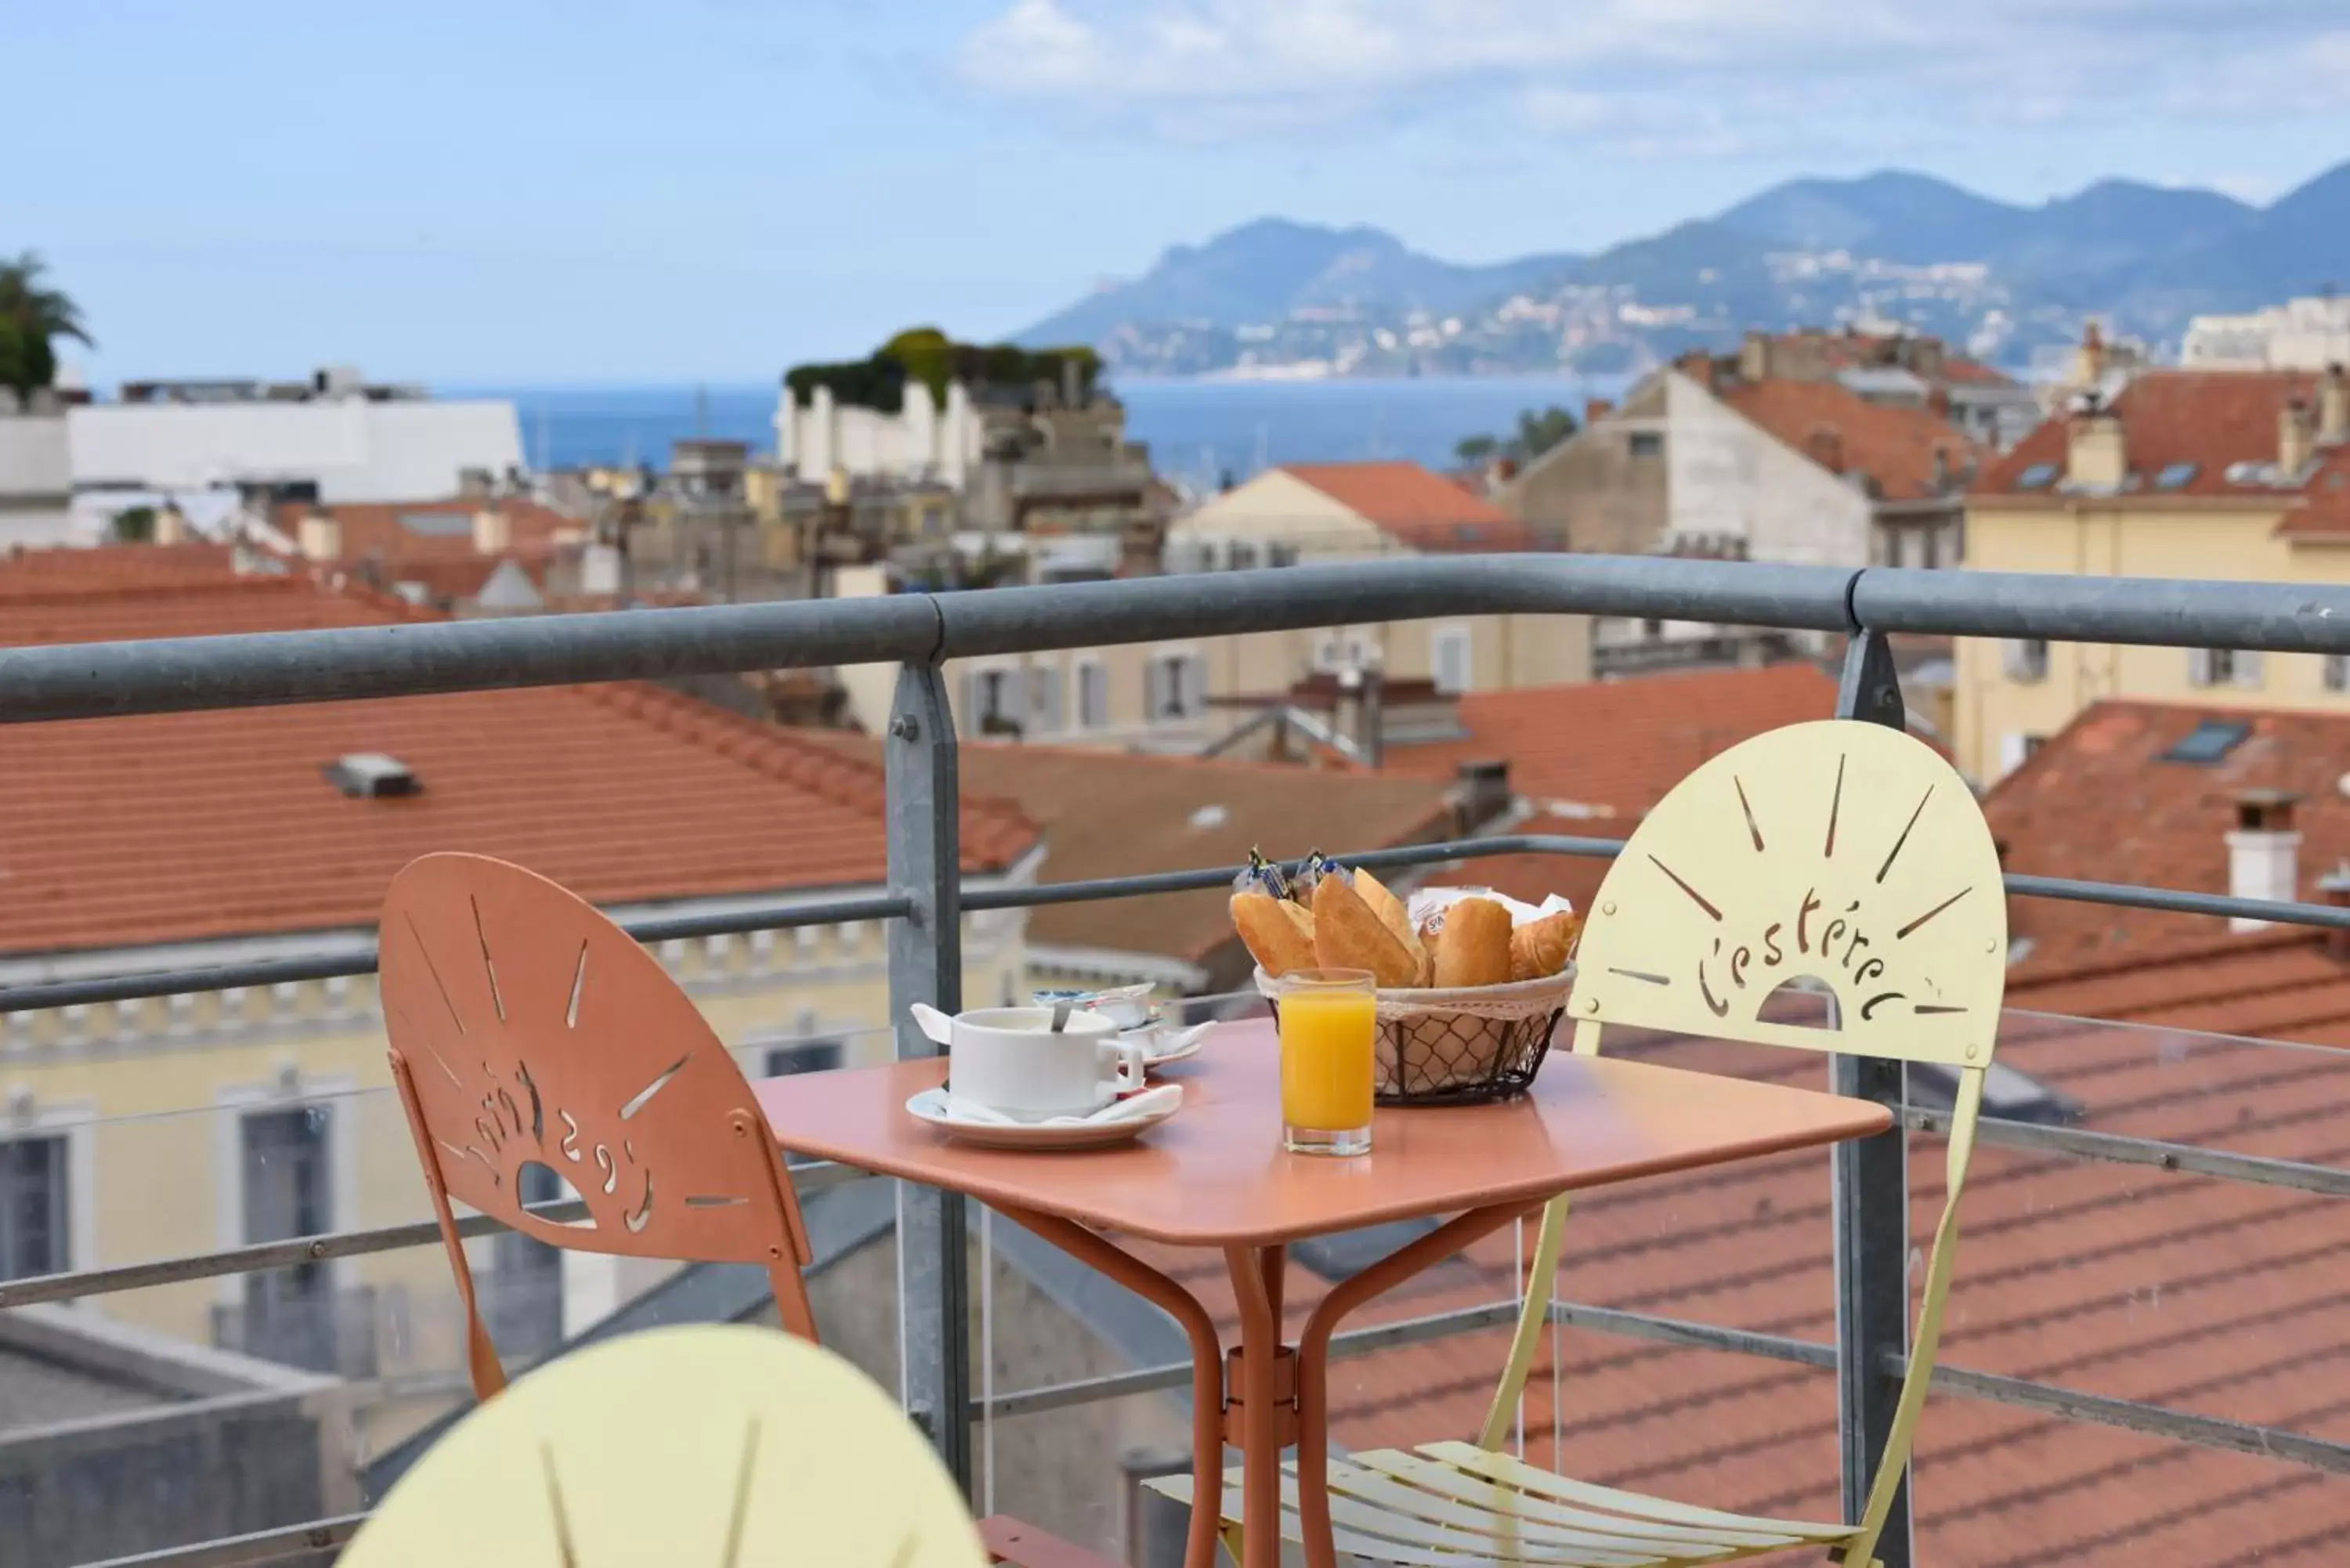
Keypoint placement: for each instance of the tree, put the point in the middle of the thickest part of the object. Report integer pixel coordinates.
(31, 314)
(1537, 433)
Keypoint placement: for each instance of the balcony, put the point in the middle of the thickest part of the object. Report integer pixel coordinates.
(2139, 1363)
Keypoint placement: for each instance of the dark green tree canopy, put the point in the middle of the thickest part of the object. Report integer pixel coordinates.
(926, 357)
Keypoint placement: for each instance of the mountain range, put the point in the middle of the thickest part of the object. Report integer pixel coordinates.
(2007, 281)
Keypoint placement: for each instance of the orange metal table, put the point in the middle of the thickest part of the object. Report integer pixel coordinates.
(1216, 1176)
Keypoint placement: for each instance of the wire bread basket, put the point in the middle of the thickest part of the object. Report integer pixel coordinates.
(1460, 1047)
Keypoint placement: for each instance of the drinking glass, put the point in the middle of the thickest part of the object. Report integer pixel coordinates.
(1329, 1022)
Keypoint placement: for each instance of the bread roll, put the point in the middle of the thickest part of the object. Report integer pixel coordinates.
(1277, 933)
(1538, 948)
(1348, 935)
(1391, 913)
(1474, 948)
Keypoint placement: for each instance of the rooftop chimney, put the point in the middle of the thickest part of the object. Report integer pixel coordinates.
(2263, 851)
(493, 531)
(1483, 795)
(1937, 402)
(1755, 357)
(1594, 409)
(2089, 368)
(2333, 405)
(1824, 446)
(321, 537)
(2333, 888)
(2296, 439)
(2097, 455)
(171, 525)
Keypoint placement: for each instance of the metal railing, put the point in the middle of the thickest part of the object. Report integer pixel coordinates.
(924, 898)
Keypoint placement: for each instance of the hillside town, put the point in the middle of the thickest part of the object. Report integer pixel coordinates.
(337, 733)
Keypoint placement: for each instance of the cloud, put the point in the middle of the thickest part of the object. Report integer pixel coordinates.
(1664, 77)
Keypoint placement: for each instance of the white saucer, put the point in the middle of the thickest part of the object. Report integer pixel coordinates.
(1115, 1123)
(1164, 1043)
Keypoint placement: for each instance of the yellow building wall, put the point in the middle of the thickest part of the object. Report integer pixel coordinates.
(1994, 707)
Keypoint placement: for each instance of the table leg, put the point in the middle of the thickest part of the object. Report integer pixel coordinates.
(1251, 1268)
(1207, 1364)
(1313, 1357)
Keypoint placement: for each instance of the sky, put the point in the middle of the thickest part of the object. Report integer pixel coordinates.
(518, 192)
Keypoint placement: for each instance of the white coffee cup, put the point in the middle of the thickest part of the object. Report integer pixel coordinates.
(1009, 1060)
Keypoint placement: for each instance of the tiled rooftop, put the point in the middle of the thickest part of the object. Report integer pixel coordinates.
(1414, 507)
(1892, 445)
(1110, 814)
(2212, 420)
(173, 827)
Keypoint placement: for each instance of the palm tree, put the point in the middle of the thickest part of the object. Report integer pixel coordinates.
(31, 314)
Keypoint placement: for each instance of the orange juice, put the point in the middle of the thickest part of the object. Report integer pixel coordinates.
(1326, 1058)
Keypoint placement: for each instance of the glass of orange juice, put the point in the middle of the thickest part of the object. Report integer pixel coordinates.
(1328, 1021)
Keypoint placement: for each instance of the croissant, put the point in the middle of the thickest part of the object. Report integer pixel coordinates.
(1539, 949)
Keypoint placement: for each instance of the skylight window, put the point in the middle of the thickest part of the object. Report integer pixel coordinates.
(2038, 476)
(2207, 743)
(2177, 475)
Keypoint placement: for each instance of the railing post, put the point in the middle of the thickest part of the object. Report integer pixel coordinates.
(1871, 1201)
(926, 965)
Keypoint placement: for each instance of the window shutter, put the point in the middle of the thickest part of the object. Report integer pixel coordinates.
(1193, 696)
(1154, 690)
(1451, 660)
(2014, 656)
(1047, 706)
(975, 715)
(2247, 668)
(1093, 696)
(2198, 666)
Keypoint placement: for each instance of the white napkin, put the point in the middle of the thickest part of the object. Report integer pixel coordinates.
(1432, 900)
(1148, 1103)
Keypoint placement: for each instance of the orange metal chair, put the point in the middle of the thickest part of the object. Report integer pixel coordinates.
(528, 1029)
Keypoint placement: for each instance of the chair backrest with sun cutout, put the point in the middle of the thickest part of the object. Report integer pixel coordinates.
(528, 1029)
(1848, 853)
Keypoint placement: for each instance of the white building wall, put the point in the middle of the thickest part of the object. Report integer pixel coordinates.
(921, 441)
(1727, 479)
(354, 451)
(2306, 334)
(36, 480)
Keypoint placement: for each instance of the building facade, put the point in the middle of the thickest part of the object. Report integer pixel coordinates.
(2191, 474)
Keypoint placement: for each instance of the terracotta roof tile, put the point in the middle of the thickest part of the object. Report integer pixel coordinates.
(1112, 814)
(2211, 419)
(379, 529)
(1594, 758)
(2163, 824)
(1894, 446)
(1419, 508)
(114, 565)
(173, 827)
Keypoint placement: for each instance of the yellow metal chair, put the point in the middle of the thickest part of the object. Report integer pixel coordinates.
(1846, 853)
(705, 1444)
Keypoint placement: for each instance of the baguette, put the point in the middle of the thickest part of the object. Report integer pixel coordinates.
(1348, 935)
(1390, 911)
(1277, 933)
(1474, 948)
(1539, 949)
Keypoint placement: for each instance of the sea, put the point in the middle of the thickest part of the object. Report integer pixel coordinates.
(1199, 430)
